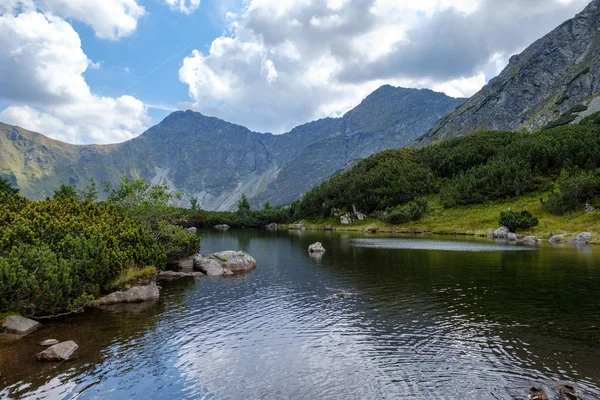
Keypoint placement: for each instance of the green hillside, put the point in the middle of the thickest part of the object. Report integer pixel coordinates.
(461, 185)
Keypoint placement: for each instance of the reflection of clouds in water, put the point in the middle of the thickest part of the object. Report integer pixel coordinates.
(441, 245)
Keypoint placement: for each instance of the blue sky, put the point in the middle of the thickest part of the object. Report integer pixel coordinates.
(146, 65)
(104, 71)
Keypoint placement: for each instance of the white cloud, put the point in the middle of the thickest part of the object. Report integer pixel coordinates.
(110, 19)
(184, 6)
(41, 79)
(281, 63)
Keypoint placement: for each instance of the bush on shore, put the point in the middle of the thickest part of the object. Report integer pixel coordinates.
(517, 221)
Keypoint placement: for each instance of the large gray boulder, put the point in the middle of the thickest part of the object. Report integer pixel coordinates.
(316, 248)
(58, 352)
(501, 233)
(20, 325)
(557, 238)
(512, 237)
(210, 265)
(134, 295)
(236, 261)
(192, 229)
(582, 238)
(224, 263)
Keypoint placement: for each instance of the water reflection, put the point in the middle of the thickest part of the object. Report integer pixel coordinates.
(421, 319)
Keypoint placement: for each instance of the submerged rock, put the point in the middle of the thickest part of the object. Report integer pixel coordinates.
(20, 325)
(58, 352)
(48, 342)
(558, 238)
(134, 295)
(316, 248)
(582, 238)
(537, 394)
(222, 227)
(568, 392)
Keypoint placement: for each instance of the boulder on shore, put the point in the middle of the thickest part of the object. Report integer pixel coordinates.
(222, 227)
(582, 238)
(316, 248)
(558, 238)
(529, 239)
(134, 295)
(192, 229)
(20, 325)
(512, 237)
(176, 275)
(272, 227)
(58, 352)
(328, 228)
(501, 233)
(224, 263)
(297, 227)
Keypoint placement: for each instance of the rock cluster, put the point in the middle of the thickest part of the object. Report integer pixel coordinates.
(272, 227)
(504, 233)
(58, 352)
(222, 227)
(582, 238)
(224, 263)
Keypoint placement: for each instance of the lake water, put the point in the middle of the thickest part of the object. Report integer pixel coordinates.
(377, 317)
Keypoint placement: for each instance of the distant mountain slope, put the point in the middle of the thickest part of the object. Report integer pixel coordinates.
(539, 85)
(217, 161)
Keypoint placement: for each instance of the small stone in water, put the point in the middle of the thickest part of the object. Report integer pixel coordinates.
(48, 342)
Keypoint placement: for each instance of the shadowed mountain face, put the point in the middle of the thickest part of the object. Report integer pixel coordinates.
(217, 161)
(538, 86)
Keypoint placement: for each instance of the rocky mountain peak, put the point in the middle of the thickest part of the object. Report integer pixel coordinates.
(538, 86)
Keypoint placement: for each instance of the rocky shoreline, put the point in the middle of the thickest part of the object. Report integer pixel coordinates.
(223, 263)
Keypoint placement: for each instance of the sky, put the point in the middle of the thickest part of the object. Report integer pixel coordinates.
(104, 71)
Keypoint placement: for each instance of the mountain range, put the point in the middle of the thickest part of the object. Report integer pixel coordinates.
(216, 161)
(555, 81)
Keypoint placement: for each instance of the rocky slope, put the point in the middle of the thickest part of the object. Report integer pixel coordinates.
(539, 86)
(216, 161)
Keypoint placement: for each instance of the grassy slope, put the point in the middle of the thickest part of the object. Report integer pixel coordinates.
(482, 219)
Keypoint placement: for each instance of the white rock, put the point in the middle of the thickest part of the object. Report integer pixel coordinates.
(192, 230)
(222, 227)
(316, 248)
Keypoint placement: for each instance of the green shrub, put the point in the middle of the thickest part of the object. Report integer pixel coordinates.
(412, 211)
(574, 188)
(59, 254)
(516, 221)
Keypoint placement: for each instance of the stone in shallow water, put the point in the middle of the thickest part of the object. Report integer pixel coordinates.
(58, 352)
(20, 325)
(134, 295)
(236, 261)
(48, 342)
(316, 248)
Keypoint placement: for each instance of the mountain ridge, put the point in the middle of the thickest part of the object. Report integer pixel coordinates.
(538, 86)
(217, 161)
